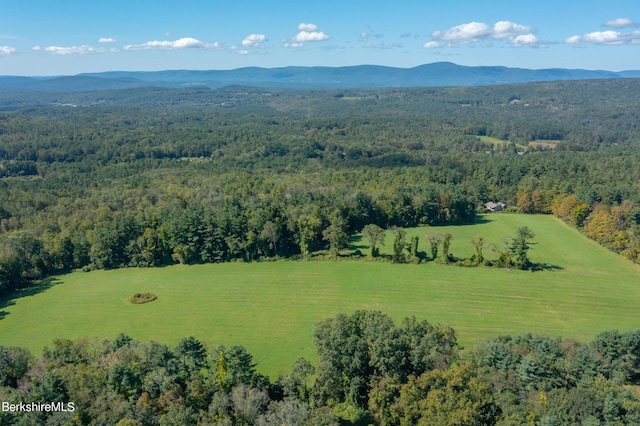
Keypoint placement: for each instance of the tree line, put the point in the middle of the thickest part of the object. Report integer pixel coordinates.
(176, 231)
(159, 176)
(369, 371)
(513, 253)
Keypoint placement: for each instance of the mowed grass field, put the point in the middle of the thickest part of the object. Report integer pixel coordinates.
(273, 307)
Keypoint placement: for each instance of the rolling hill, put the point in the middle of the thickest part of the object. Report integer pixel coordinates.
(362, 76)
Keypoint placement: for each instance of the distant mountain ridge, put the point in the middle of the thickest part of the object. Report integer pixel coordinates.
(361, 76)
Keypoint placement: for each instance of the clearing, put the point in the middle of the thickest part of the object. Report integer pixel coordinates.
(272, 307)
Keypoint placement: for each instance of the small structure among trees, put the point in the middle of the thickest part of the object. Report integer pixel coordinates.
(495, 207)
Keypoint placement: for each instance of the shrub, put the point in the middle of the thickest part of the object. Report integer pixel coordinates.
(140, 298)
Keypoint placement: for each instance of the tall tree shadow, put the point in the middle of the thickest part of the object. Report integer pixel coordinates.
(545, 267)
(480, 219)
(550, 267)
(356, 243)
(32, 289)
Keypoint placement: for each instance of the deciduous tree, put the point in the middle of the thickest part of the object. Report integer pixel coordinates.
(375, 235)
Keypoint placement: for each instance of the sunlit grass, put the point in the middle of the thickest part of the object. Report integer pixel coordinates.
(272, 307)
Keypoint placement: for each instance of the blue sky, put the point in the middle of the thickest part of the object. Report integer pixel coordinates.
(52, 37)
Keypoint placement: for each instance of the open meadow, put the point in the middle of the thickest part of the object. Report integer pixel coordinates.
(272, 307)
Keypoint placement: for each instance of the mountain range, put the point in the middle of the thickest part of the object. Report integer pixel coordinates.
(362, 76)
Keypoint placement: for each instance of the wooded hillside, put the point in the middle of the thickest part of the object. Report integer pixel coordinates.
(154, 176)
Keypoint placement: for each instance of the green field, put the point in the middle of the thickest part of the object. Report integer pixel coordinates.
(272, 307)
(546, 144)
(497, 142)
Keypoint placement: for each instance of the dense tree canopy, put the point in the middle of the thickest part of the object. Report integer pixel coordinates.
(151, 177)
(369, 370)
(154, 176)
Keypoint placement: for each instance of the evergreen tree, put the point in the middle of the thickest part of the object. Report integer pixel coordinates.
(519, 246)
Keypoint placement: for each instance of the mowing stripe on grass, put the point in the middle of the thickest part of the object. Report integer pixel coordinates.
(272, 307)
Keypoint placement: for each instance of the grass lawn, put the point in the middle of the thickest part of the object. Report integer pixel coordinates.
(546, 143)
(498, 142)
(272, 307)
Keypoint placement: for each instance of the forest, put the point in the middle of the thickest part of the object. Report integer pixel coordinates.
(151, 177)
(156, 176)
(371, 371)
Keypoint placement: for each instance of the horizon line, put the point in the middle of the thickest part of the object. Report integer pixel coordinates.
(308, 67)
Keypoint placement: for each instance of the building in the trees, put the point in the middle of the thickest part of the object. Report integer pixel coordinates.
(495, 207)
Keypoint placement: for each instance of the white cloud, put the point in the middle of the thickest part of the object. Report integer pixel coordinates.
(473, 32)
(106, 40)
(182, 43)
(506, 29)
(609, 38)
(621, 23)
(306, 33)
(242, 52)
(304, 36)
(254, 40)
(6, 50)
(307, 27)
(464, 33)
(525, 40)
(603, 37)
(572, 40)
(71, 50)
